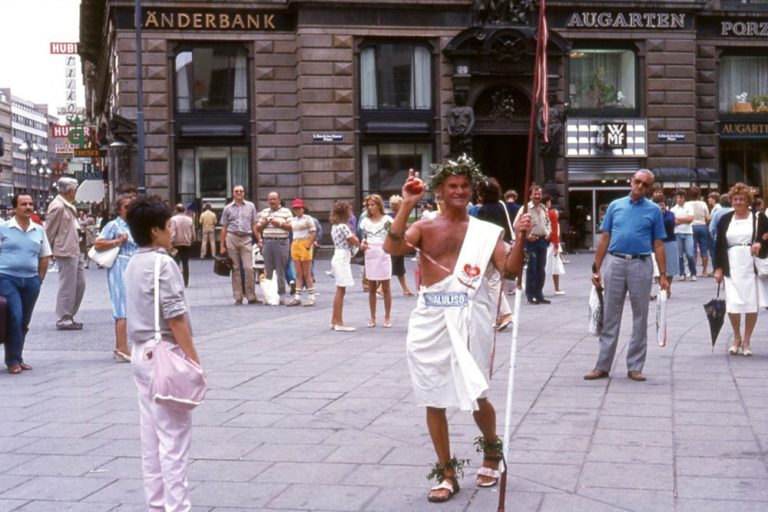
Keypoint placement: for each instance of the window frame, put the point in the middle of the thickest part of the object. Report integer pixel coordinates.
(732, 114)
(191, 46)
(211, 150)
(634, 111)
(365, 172)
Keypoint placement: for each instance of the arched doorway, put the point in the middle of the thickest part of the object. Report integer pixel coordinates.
(500, 141)
(493, 69)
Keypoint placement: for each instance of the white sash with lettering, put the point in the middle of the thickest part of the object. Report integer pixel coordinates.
(442, 339)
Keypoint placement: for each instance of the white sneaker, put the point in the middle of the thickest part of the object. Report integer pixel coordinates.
(694, 278)
(310, 302)
(681, 278)
(343, 328)
(294, 302)
(559, 292)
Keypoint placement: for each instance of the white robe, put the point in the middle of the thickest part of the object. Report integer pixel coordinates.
(449, 348)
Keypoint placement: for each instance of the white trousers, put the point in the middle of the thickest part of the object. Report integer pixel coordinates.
(165, 439)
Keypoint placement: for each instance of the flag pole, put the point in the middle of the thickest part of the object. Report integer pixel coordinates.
(539, 100)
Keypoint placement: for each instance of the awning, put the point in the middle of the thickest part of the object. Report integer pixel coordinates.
(90, 191)
(686, 176)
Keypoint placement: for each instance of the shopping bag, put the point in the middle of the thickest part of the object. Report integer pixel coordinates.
(269, 289)
(596, 311)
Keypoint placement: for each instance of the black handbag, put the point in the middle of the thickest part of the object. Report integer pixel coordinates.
(222, 266)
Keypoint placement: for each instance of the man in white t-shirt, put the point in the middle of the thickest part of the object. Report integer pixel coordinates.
(684, 235)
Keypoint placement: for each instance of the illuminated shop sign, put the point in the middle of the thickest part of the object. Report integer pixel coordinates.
(606, 138)
(614, 135)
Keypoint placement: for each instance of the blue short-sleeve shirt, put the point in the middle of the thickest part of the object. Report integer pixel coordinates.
(633, 226)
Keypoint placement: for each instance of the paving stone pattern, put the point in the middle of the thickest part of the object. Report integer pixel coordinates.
(303, 418)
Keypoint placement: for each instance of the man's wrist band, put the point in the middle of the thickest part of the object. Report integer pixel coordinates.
(396, 236)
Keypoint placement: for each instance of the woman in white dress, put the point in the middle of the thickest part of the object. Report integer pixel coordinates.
(739, 240)
(378, 265)
(343, 241)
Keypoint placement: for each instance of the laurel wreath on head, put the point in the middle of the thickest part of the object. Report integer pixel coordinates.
(462, 166)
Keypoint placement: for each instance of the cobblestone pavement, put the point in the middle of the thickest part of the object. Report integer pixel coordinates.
(303, 418)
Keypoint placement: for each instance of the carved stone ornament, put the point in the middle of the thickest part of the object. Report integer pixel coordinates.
(501, 12)
(511, 50)
(503, 104)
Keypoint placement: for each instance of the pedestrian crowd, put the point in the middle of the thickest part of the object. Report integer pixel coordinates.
(464, 245)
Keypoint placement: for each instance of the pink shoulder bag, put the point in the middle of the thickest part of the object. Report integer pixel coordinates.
(177, 380)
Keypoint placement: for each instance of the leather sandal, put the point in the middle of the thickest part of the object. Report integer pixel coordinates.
(450, 484)
(492, 452)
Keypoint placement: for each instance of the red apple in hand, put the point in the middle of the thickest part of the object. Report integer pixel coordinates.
(415, 186)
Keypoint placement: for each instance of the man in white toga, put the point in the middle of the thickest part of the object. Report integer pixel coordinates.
(449, 343)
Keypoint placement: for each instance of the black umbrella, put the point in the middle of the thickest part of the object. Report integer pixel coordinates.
(715, 311)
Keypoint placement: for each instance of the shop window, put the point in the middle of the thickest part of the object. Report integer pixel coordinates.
(385, 165)
(602, 80)
(211, 79)
(211, 171)
(395, 76)
(743, 84)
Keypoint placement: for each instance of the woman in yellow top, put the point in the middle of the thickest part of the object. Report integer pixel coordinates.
(304, 234)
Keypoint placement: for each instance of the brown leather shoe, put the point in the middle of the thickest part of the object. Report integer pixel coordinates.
(596, 374)
(636, 375)
(14, 369)
(25, 366)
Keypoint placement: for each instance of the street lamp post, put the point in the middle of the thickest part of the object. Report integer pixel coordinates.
(45, 175)
(29, 150)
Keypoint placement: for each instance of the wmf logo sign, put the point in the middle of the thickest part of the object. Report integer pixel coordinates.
(614, 135)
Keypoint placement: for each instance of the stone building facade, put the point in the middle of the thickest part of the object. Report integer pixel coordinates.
(325, 99)
(6, 160)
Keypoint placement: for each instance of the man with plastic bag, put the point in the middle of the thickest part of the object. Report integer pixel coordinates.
(632, 228)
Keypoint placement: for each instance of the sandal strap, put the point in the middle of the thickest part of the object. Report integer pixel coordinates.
(445, 484)
(488, 472)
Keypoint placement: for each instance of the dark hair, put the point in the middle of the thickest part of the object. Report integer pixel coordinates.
(207, 206)
(695, 193)
(15, 198)
(490, 191)
(546, 198)
(144, 214)
(680, 192)
(660, 199)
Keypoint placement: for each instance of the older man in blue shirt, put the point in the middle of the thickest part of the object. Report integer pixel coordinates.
(633, 228)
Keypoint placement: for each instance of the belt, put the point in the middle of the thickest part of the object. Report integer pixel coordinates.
(275, 238)
(629, 256)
